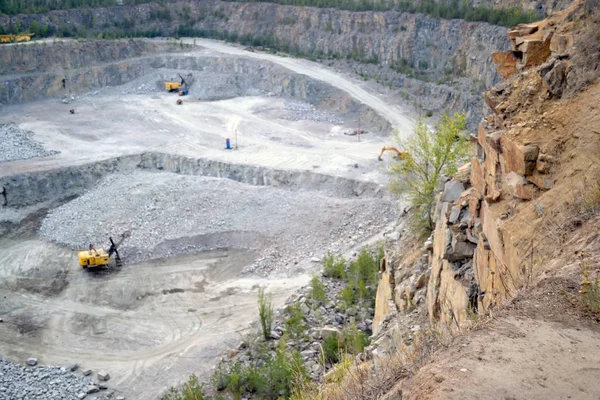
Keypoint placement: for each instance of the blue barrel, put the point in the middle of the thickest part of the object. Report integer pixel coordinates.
(227, 144)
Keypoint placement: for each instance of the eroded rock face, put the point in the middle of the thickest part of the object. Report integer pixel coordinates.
(477, 262)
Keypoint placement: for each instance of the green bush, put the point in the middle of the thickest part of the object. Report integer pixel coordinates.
(332, 349)
(334, 266)
(265, 313)
(355, 340)
(318, 290)
(272, 378)
(294, 323)
(191, 390)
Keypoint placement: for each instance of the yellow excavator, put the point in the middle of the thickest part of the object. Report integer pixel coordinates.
(180, 87)
(11, 38)
(403, 155)
(98, 258)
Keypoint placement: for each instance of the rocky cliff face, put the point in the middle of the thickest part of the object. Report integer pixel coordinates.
(503, 218)
(435, 50)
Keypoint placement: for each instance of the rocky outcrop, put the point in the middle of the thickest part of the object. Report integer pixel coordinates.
(482, 254)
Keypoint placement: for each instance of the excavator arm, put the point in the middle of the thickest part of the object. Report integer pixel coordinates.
(400, 154)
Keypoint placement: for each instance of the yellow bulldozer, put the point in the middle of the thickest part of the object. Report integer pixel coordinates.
(98, 258)
(12, 38)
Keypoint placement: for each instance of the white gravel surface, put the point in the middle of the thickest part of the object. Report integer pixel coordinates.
(17, 144)
(43, 383)
(171, 214)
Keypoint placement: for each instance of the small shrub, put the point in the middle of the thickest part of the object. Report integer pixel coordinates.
(347, 296)
(318, 290)
(355, 340)
(191, 390)
(331, 349)
(265, 313)
(334, 266)
(295, 325)
(429, 113)
(590, 285)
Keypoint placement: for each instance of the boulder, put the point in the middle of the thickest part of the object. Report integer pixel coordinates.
(518, 159)
(543, 182)
(535, 51)
(103, 376)
(506, 63)
(74, 367)
(555, 78)
(32, 361)
(517, 186)
(463, 174)
(452, 190)
(86, 372)
(92, 389)
(329, 331)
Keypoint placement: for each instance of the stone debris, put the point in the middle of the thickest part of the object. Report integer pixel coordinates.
(103, 376)
(18, 144)
(170, 214)
(45, 383)
(307, 112)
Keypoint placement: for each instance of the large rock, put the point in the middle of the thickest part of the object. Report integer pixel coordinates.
(506, 63)
(517, 158)
(329, 331)
(535, 51)
(452, 190)
(32, 361)
(519, 187)
(555, 78)
(103, 376)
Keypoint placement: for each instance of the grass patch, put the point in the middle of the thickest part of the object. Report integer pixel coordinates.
(265, 313)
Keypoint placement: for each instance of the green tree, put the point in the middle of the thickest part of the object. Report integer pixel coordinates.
(432, 154)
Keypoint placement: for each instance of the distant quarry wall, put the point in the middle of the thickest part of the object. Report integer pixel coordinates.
(447, 61)
(36, 71)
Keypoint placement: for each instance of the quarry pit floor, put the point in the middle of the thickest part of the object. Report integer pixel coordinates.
(169, 313)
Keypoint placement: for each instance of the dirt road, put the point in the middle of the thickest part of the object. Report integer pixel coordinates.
(393, 113)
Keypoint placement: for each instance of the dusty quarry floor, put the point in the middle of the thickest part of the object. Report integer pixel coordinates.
(200, 246)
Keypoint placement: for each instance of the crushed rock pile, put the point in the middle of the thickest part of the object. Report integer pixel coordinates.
(307, 112)
(18, 144)
(169, 214)
(47, 383)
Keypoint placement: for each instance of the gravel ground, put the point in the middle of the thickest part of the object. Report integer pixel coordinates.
(307, 112)
(46, 383)
(170, 214)
(17, 144)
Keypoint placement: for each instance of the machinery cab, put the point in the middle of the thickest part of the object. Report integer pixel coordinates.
(172, 86)
(93, 258)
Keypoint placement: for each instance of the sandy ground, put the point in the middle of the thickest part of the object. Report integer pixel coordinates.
(153, 323)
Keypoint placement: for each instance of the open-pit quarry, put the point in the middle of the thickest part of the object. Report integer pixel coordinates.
(208, 225)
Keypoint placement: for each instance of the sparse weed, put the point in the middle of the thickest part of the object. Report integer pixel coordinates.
(294, 323)
(265, 313)
(590, 285)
